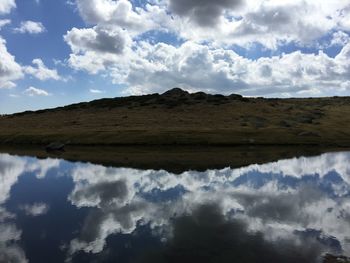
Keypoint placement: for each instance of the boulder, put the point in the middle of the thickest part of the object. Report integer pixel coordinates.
(55, 146)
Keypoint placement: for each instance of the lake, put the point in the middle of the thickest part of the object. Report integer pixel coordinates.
(294, 209)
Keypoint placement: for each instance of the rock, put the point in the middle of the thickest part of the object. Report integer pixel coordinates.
(217, 99)
(235, 96)
(285, 124)
(175, 92)
(55, 146)
(308, 133)
(328, 258)
(305, 119)
(199, 96)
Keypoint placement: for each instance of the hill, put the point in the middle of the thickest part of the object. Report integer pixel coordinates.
(179, 117)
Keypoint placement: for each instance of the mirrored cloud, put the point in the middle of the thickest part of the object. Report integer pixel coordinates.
(10, 169)
(9, 250)
(209, 231)
(283, 204)
(35, 209)
(282, 200)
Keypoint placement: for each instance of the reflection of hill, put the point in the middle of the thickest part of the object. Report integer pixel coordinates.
(174, 159)
(178, 117)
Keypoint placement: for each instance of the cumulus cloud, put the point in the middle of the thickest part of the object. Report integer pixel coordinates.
(10, 70)
(122, 14)
(6, 6)
(226, 22)
(204, 13)
(95, 49)
(41, 72)
(156, 68)
(32, 91)
(271, 24)
(30, 27)
(97, 39)
(116, 45)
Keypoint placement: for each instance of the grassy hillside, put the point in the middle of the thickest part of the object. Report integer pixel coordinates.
(177, 117)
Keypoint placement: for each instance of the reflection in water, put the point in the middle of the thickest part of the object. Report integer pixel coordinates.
(293, 210)
(206, 235)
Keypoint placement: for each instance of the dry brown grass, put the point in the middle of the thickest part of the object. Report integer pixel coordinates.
(182, 118)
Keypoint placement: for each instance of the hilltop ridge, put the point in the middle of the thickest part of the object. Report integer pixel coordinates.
(171, 98)
(183, 118)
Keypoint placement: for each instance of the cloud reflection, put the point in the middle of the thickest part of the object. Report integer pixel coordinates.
(207, 235)
(11, 168)
(301, 204)
(279, 200)
(9, 250)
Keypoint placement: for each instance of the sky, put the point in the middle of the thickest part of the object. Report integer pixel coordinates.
(54, 53)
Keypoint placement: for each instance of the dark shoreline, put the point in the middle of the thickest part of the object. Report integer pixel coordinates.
(176, 159)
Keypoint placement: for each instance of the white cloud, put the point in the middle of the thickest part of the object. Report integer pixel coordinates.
(115, 45)
(340, 38)
(10, 70)
(40, 71)
(96, 48)
(32, 91)
(204, 13)
(270, 23)
(97, 39)
(155, 68)
(30, 27)
(6, 6)
(96, 91)
(122, 14)
(4, 22)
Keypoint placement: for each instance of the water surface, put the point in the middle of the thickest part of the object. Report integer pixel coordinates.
(291, 210)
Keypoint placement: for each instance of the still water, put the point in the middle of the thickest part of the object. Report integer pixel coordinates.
(291, 210)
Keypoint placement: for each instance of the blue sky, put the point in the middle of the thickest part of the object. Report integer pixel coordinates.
(55, 53)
